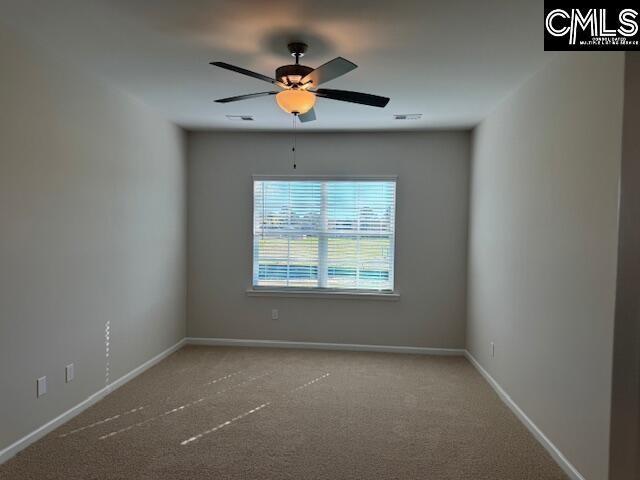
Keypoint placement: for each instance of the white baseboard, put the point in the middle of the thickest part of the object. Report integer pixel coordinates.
(234, 342)
(557, 455)
(11, 450)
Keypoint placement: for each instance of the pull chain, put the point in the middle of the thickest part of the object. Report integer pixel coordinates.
(293, 149)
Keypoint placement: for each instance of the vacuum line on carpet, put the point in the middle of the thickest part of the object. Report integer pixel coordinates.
(183, 407)
(134, 410)
(223, 378)
(224, 424)
(249, 412)
(103, 421)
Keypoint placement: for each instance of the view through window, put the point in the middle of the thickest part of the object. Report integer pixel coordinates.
(324, 234)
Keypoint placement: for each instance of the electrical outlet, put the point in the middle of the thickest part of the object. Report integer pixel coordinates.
(275, 314)
(42, 386)
(493, 349)
(69, 373)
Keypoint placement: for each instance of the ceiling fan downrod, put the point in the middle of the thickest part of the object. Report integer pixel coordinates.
(297, 50)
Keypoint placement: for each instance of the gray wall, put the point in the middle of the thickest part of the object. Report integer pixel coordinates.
(431, 243)
(625, 415)
(542, 255)
(93, 222)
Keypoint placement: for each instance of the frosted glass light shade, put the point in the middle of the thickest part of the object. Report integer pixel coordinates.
(296, 101)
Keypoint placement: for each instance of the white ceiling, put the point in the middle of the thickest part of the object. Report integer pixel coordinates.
(451, 60)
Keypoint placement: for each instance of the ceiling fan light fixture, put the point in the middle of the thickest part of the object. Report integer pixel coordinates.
(299, 85)
(296, 101)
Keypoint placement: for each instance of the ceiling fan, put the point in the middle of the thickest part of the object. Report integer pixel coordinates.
(299, 85)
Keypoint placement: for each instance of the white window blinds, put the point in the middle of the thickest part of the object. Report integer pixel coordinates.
(328, 234)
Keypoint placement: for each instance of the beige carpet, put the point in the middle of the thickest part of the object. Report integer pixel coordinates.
(238, 413)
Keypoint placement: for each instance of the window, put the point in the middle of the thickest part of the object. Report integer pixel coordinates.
(334, 234)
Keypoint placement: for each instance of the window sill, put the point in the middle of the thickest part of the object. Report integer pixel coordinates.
(332, 294)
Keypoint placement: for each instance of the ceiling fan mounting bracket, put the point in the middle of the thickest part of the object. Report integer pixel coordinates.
(297, 49)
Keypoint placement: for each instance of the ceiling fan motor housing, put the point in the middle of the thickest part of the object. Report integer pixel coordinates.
(292, 74)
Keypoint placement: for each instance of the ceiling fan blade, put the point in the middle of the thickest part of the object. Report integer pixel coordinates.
(353, 97)
(244, 97)
(244, 71)
(310, 116)
(328, 71)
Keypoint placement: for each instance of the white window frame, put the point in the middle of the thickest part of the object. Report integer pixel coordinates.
(324, 292)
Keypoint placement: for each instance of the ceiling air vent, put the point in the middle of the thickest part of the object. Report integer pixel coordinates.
(407, 116)
(240, 118)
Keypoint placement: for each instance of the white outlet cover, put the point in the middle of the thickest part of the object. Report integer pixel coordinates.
(69, 373)
(42, 386)
(274, 314)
